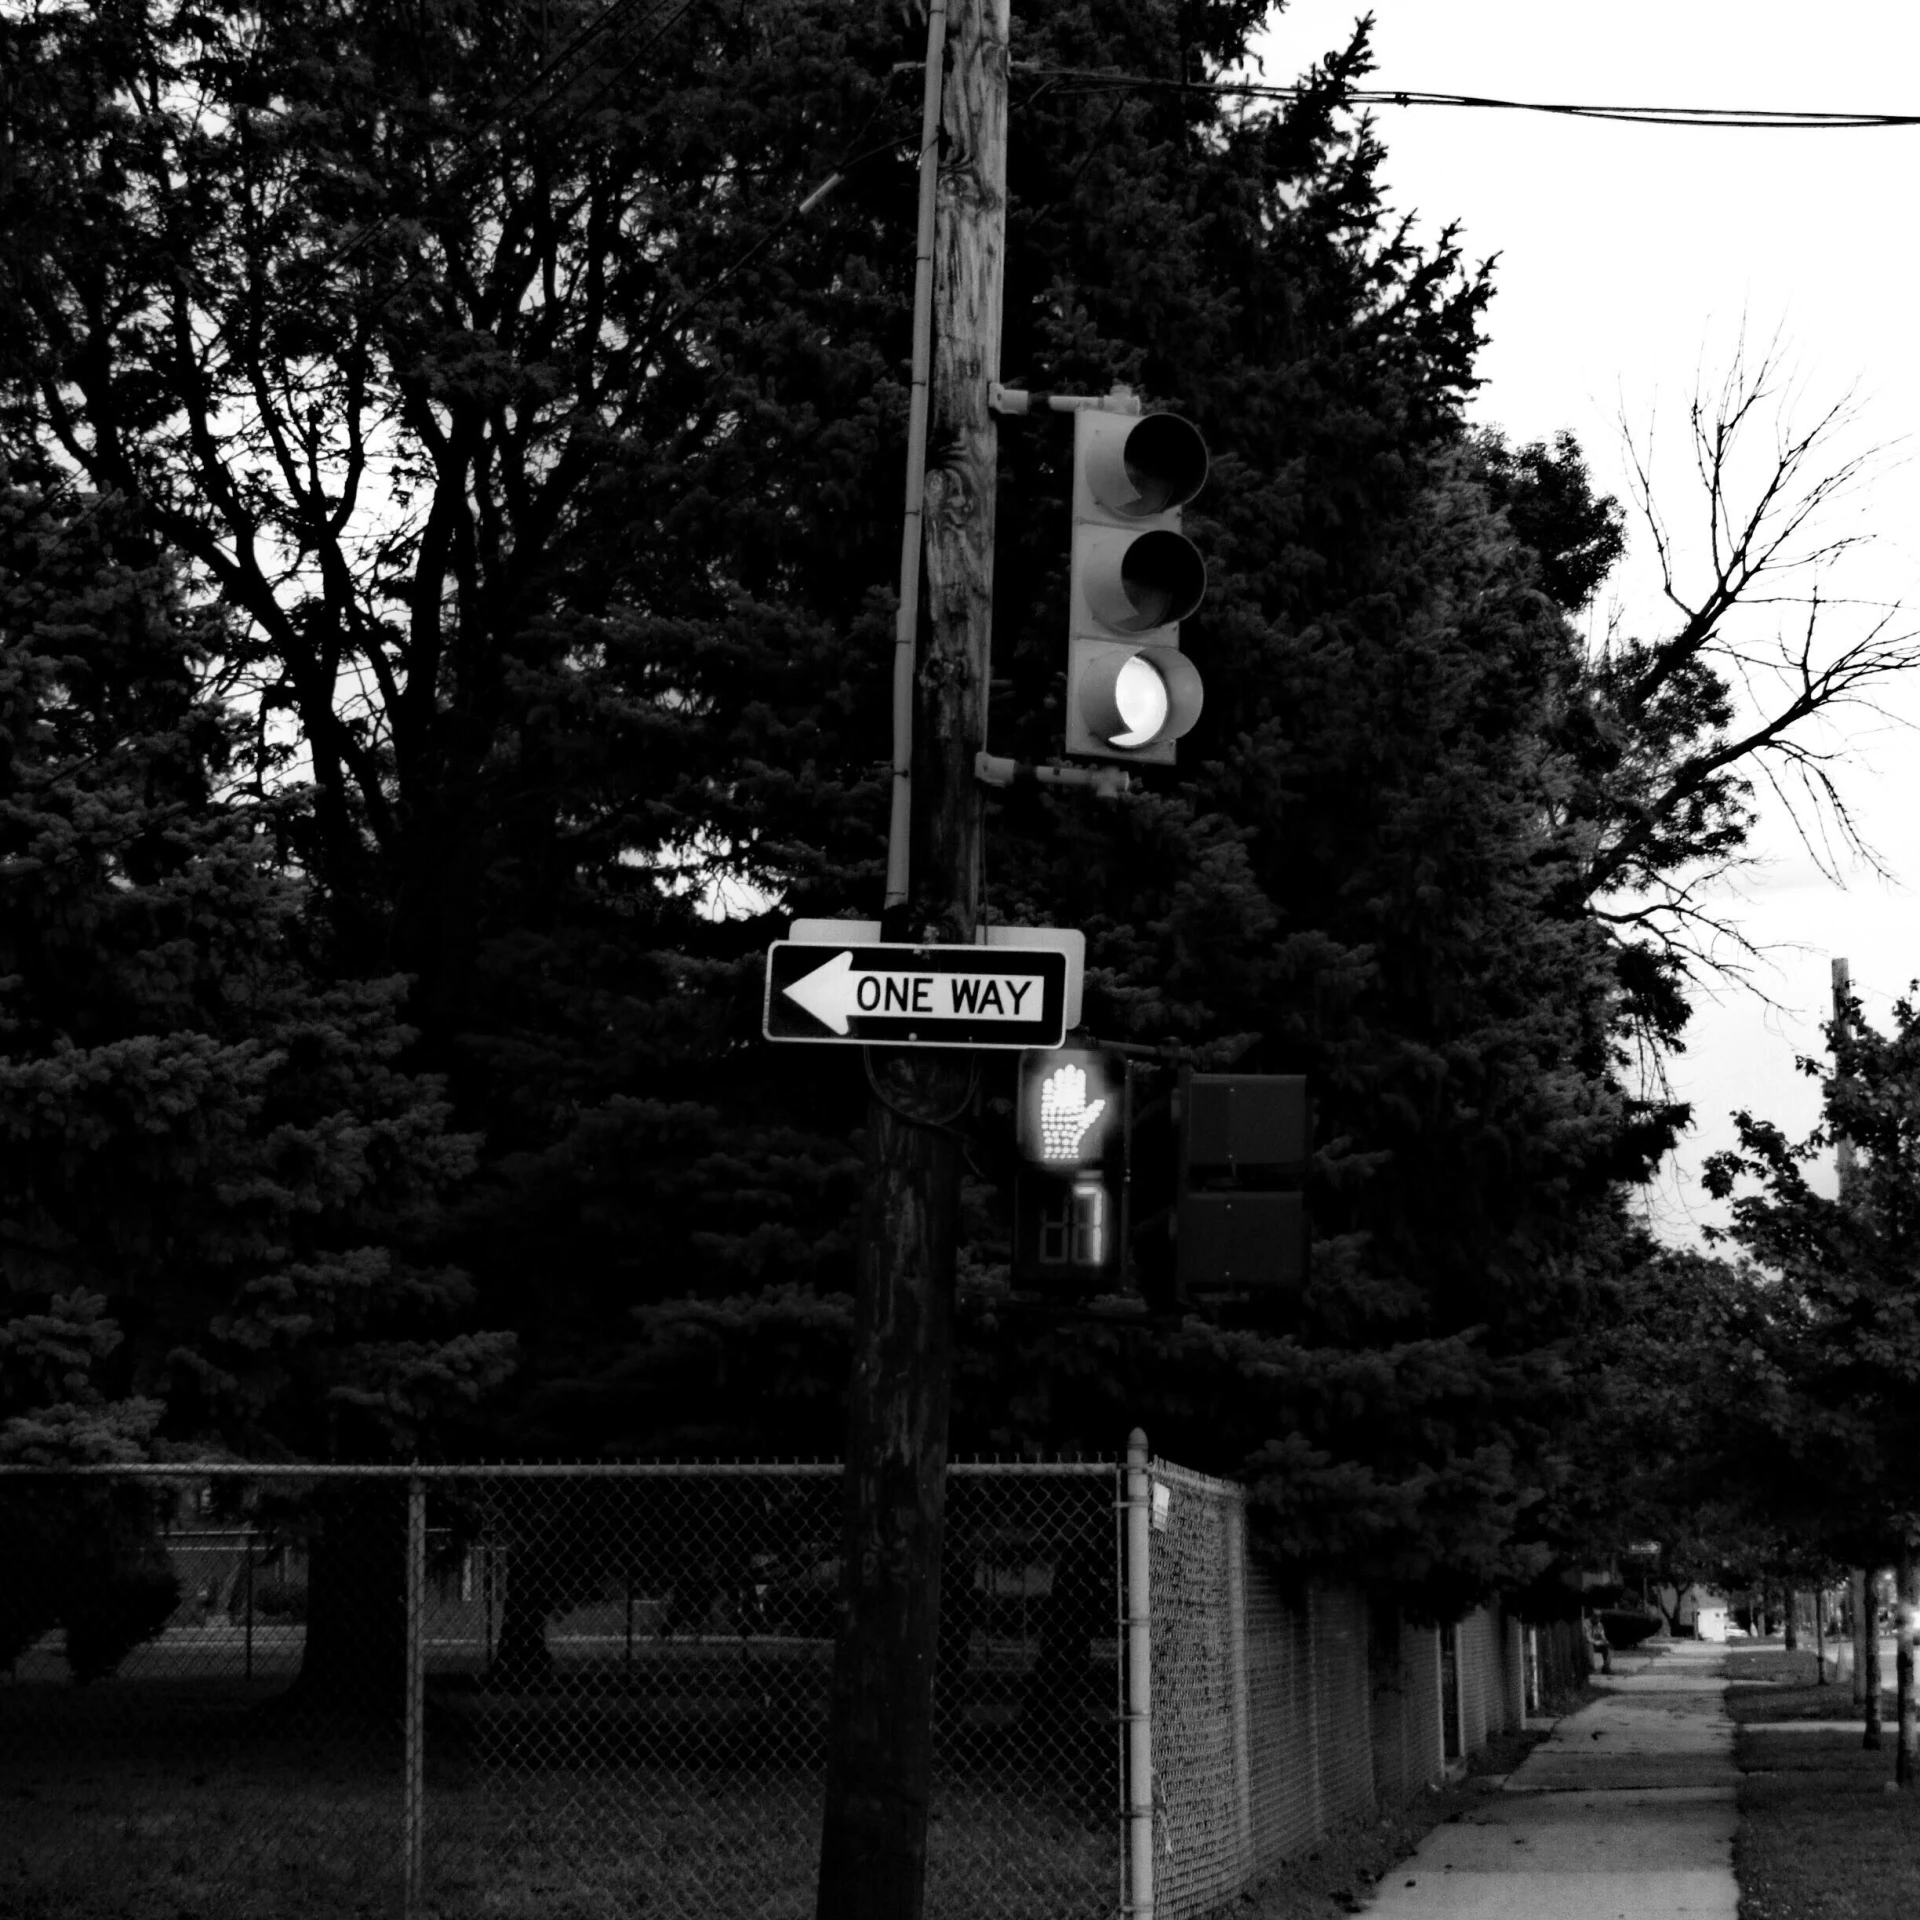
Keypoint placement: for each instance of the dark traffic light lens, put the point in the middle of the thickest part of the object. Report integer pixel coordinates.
(1163, 577)
(1166, 462)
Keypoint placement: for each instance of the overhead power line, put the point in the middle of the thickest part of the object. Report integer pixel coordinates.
(1779, 119)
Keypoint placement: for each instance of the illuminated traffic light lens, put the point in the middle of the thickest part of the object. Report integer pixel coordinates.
(1141, 696)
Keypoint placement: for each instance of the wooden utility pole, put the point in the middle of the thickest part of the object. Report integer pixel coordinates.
(1856, 1618)
(1843, 1160)
(880, 1724)
(1906, 1597)
(1870, 1728)
(1866, 1588)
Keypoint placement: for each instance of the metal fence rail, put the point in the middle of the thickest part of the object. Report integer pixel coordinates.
(232, 1690)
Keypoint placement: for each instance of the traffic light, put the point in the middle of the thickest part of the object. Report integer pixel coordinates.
(1068, 1230)
(1241, 1225)
(1131, 692)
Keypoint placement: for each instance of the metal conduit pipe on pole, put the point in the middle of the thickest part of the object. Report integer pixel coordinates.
(907, 617)
(1139, 1631)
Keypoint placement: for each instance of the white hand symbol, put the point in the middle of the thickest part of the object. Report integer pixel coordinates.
(1065, 1115)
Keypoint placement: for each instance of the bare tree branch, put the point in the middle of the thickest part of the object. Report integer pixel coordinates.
(1719, 711)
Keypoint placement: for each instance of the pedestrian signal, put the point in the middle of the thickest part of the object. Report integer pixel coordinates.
(1068, 1197)
(1067, 1108)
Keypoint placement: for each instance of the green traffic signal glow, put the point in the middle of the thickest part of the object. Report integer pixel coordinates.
(1140, 695)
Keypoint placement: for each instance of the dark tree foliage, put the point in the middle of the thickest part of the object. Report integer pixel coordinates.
(216, 1168)
(1576, 537)
(544, 457)
(82, 1558)
(484, 371)
(1675, 1471)
(1837, 1433)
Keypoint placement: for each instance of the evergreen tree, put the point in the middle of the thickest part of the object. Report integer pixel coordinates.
(544, 454)
(217, 1161)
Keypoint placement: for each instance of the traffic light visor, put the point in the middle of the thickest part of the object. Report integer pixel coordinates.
(1135, 582)
(1133, 697)
(1137, 466)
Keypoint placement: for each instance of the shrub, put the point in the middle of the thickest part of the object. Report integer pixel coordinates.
(107, 1617)
(281, 1600)
(1627, 1626)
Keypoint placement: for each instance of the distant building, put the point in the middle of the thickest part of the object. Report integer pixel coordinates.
(1703, 1613)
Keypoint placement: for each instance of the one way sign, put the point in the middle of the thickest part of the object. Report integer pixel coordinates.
(916, 996)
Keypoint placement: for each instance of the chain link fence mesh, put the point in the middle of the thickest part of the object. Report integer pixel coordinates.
(231, 1692)
(1200, 1850)
(1405, 1706)
(618, 1698)
(1558, 1652)
(171, 1739)
(1282, 1707)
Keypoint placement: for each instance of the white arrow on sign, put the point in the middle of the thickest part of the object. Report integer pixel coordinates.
(833, 993)
(827, 992)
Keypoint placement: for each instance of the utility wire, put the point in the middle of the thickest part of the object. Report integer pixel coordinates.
(1092, 80)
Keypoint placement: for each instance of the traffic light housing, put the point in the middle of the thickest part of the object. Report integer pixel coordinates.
(1131, 692)
(1069, 1193)
(1241, 1228)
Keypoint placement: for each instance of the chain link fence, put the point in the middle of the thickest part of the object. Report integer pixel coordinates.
(1279, 1707)
(235, 1691)
(527, 1689)
(175, 1737)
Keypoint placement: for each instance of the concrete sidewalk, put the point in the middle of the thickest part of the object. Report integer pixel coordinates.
(1625, 1812)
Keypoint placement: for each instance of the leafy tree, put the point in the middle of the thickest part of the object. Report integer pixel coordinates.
(1675, 1470)
(530, 438)
(1848, 1346)
(1849, 1415)
(217, 1160)
(543, 453)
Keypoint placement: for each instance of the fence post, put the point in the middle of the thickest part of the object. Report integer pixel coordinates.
(1237, 1702)
(1139, 1625)
(414, 1788)
(247, 1599)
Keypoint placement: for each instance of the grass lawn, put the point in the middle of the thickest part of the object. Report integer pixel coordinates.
(1765, 1666)
(1822, 1834)
(1745, 1705)
(255, 1842)
(131, 1801)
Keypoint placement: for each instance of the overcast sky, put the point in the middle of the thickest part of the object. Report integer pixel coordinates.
(1629, 260)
